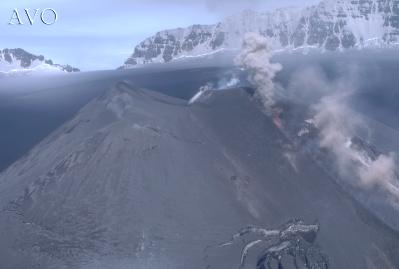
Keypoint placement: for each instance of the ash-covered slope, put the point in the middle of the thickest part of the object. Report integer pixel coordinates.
(19, 61)
(330, 25)
(138, 179)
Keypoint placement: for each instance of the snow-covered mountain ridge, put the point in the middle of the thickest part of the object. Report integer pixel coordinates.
(330, 25)
(19, 61)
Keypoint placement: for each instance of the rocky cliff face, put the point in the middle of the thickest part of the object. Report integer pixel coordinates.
(169, 44)
(19, 60)
(330, 25)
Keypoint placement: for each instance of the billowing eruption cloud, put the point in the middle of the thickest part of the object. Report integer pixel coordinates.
(381, 169)
(338, 126)
(370, 173)
(255, 58)
(367, 172)
(332, 120)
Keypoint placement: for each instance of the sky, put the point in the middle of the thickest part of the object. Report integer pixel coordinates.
(102, 34)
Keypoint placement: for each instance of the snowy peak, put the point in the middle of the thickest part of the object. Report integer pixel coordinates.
(330, 25)
(19, 61)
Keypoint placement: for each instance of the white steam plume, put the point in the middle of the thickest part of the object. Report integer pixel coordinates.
(226, 83)
(203, 89)
(222, 84)
(255, 57)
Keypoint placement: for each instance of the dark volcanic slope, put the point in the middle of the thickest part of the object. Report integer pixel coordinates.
(141, 180)
(31, 108)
